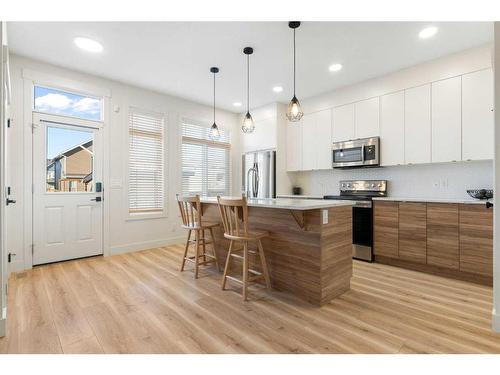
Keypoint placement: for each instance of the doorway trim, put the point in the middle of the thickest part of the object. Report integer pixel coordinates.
(30, 79)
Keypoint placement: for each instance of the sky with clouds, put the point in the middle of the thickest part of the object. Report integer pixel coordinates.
(64, 103)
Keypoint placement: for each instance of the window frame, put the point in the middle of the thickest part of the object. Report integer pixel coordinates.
(163, 213)
(227, 146)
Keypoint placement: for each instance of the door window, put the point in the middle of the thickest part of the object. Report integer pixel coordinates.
(70, 159)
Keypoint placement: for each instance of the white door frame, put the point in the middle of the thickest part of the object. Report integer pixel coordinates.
(30, 79)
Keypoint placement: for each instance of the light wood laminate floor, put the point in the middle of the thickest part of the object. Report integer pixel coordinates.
(141, 303)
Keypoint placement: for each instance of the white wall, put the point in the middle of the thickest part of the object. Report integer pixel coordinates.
(415, 180)
(3, 248)
(125, 235)
(496, 236)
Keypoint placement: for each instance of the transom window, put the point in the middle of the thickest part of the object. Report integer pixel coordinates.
(49, 100)
(205, 163)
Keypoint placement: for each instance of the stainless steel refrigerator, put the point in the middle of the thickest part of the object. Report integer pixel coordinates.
(259, 174)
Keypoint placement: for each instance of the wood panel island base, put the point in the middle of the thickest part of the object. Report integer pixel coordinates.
(309, 247)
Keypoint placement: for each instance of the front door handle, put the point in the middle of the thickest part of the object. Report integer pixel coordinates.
(9, 201)
(97, 199)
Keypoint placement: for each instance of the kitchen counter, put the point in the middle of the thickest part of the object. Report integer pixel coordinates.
(309, 246)
(433, 200)
(289, 203)
(293, 196)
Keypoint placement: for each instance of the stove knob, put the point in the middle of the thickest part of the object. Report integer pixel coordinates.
(373, 185)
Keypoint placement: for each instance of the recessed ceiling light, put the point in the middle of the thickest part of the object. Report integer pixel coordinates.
(237, 104)
(277, 89)
(335, 67)
(87, 44)
(428, 32)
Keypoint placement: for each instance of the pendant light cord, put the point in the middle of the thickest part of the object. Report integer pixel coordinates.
(214, 98)
(293, 62)
(248, 83)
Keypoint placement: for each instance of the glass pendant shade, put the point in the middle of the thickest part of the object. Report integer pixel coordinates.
(294, 112)
(214, 132)
(248, 125)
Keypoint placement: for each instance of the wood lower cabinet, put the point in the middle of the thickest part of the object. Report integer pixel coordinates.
(386, 228)
(442, 235)
(476, 239)
(453, 240)
(412, 232)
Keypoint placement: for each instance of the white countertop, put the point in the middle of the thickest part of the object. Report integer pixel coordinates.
(290, 204)
(433, 200)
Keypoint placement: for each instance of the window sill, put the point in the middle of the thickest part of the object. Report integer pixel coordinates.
(146, 216)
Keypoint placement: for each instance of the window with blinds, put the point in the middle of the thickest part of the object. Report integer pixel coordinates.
(146, 162)
(205, 162)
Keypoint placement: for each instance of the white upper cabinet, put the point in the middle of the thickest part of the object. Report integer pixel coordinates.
(367, 118)
(392, 122)
(447, 120)
(343, 123)
(323, 141)
(294, 146)
(477, 115)
(418, 125)
(309, 147)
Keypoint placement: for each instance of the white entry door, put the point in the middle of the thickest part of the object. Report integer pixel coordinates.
(67, 189)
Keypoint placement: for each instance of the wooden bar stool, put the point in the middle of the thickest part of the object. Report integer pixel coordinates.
(190, 208)
(234, 215)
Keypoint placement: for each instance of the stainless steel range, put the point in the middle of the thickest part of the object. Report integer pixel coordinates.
(362, 191)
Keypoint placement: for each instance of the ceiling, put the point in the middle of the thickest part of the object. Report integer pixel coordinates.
(175, 57)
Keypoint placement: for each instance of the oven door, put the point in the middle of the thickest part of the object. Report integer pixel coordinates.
(362, 233)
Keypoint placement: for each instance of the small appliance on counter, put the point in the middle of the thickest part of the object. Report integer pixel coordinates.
(297, 190)
(361, 191)
(259, 174)
(363, 152)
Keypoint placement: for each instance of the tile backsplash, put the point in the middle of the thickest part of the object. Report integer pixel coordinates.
(446, 180)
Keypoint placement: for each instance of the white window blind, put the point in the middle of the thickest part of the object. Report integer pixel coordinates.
(205, 162)
(146, 162)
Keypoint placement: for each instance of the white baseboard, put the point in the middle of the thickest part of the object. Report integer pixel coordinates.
(495, 321)
(137, 246)
(3, 322)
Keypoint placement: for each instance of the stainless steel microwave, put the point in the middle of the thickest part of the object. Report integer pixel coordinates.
(363, 152)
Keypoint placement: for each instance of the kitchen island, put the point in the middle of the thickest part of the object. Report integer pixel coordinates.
(309, 247)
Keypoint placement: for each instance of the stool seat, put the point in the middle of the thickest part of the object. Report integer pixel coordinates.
(249, 236)
(198, 226)
(190, 209)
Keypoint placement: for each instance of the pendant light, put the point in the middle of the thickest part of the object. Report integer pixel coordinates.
(248, 125)
(294, 112)
(214, 130)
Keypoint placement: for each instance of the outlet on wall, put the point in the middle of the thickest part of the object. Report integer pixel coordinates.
(444, 183)
(436, 184)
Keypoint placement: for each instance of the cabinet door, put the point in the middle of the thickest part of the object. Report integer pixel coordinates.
(477, 115)
(323, 139)
(367, 118)
(294, 146)
(412, 232)
(442, 235)
(309, 146)
(447, 120)
(476, 239)
(418, 125)
(385, 229)
(343, 123)
(392, 123)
